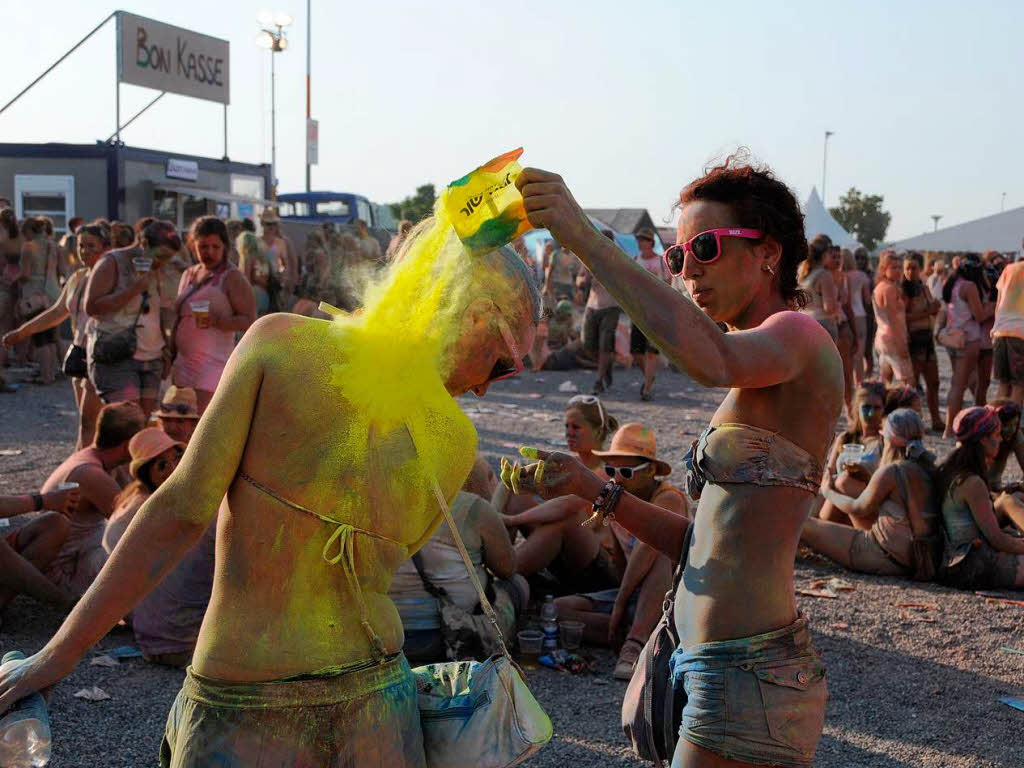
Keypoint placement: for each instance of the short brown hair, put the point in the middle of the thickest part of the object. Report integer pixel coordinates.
(117, 423)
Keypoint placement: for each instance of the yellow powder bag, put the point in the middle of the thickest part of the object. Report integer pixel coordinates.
(484, 206)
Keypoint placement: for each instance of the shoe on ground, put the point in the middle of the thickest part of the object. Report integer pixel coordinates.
(627, 659)
(598, 388)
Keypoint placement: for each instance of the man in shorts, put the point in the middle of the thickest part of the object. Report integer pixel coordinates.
(1008, 333)
(600, 320)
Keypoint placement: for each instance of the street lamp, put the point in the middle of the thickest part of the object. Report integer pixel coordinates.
(824, 165)
(273, 39)
(935, 221)
(1002, 203)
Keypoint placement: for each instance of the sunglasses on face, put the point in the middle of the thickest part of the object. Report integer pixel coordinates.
(181, 408)
(626, 473)
(163, 464)
(705, 247)
(503, 368)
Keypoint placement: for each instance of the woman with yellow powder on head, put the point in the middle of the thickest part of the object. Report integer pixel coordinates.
(321, 468)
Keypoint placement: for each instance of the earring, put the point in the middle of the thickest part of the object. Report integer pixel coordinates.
(768, 268)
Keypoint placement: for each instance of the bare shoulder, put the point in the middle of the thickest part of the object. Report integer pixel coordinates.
(796, 328)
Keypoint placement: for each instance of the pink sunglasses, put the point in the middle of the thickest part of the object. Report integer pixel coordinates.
(705, 247)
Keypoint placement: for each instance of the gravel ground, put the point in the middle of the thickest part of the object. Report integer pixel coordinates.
(908, 686)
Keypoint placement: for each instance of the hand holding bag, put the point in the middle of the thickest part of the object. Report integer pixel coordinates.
(478, 714)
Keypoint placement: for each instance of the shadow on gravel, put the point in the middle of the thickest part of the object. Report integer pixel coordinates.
(896, 697)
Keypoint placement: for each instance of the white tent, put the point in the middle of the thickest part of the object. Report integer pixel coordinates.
(1001, 232)
(817, 219)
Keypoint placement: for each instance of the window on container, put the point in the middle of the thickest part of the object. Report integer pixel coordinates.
(52, 196)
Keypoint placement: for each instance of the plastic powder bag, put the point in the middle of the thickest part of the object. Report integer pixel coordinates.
(484, 206)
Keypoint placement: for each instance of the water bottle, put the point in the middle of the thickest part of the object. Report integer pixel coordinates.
(25, 730)
(549, 623)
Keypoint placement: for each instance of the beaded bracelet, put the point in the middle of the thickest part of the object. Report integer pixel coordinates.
(605, 503)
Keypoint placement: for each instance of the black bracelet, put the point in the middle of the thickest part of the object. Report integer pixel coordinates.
(37, 502)
(604, 504)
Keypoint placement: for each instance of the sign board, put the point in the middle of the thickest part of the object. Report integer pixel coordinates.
(312, 141)
(186, 170)
(168, 58)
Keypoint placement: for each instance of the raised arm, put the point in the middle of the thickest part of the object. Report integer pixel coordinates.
(771, 354)
(165, 528)
(100, 297)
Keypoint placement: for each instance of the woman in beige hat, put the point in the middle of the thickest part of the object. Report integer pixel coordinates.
(154, 454)
(632, 609)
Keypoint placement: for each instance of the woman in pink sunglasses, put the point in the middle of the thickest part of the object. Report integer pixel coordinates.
(744, 648)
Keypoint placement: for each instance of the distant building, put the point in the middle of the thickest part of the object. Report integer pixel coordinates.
(1001, 232)
(625, 220)
(667, 235)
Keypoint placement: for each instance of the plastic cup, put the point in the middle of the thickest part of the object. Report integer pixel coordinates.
(851, 454)
(571, 633)
(201, 312)
(142, 263)
(531, 641)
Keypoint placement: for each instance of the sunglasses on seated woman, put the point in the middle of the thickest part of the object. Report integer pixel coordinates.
(626, 473)
(706, 247)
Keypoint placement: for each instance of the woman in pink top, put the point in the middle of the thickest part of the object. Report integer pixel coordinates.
(215, 302)
(965, 312)
(892, 340)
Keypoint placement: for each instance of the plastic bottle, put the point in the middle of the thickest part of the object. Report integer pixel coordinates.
(25, 730)
(549, 623)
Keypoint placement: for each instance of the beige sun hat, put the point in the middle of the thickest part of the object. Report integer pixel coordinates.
(637, 441)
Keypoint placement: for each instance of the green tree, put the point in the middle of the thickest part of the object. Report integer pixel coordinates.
(862, 216)
(416, 207)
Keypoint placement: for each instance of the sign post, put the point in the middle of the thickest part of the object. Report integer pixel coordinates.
(312, 141)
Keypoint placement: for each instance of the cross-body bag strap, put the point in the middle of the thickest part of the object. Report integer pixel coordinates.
(484, 602)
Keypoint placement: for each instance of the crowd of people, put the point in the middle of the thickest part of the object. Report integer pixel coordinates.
(155, 319)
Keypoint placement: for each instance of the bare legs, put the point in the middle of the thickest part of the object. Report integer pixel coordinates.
(929, 371)
(38, 542)
(965, 362)
(847, 485)
(89, 405)
(577, 543)
(830, 539)
(860, 362)
(689, 755)
(846, 352)
(985, 358)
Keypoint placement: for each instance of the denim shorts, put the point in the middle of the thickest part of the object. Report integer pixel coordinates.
(129, 379)
(757, 699)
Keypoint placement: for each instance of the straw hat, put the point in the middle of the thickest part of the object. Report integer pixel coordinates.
(269, 215)
(178, 403)
(147, 445)
(637, 441)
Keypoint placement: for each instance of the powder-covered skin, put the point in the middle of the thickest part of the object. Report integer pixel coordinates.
(352, 420)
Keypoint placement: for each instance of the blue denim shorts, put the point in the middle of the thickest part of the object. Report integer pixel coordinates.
(757, 699)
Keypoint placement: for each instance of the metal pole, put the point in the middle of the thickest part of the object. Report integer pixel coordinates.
(58, 61)
(117, 113)
(824, 166)
(309, 48)
(273, 126)
(1002, 203)
(136, 115)
(225, 131)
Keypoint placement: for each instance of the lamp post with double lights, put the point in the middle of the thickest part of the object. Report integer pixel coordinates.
(272, 37)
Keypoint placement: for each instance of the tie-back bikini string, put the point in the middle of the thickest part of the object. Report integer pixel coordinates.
(344, 535)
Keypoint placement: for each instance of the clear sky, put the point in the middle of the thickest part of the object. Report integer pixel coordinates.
(627, 100)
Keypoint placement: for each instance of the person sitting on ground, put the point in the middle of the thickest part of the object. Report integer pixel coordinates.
(166, 622)
(427, 586)
(26, 552)
(178, 414)
(123, 295)
(853, 476)
(320, 493)
(978, 553)
(558, 346)
(624, 616)
(81, 556)
(898, 500)
(1011, 441)
(902, 396)
(214, 303)
(554, 535)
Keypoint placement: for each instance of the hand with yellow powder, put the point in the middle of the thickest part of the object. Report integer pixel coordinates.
(550, 475)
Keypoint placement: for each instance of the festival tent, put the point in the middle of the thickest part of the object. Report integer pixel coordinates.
(999, 232)
(817, 219)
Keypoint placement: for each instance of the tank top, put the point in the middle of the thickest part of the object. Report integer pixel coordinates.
(855, 281)
(74, 303)
(43, 278)
(960, 315)
(202, 353)
(125, 317)
(656, 266)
